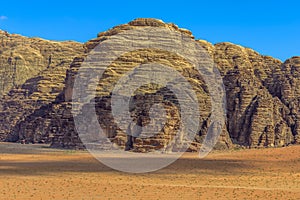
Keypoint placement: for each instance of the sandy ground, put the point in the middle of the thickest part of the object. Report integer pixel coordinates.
(37, 172)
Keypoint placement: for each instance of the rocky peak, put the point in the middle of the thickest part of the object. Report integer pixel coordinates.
(139, 22)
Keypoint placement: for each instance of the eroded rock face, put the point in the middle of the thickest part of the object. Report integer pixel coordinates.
(256, 117)
(33, 70)
(262, 98)
(286, 87)
(23, 58)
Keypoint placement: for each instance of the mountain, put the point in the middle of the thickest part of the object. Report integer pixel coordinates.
(261, 93)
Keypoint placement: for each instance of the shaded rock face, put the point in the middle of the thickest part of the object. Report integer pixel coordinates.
(256, 117)
(286, 81)
(262, 98)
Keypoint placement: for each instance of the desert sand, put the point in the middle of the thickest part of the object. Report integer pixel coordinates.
(38, 172)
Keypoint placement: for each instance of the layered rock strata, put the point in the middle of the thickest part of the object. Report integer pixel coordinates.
(262, 98)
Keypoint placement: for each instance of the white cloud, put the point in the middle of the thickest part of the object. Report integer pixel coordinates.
(2, 17)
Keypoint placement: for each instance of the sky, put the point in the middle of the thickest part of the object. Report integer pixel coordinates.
(269, 27)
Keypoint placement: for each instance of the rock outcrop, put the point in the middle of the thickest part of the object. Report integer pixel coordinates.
(285, 86)
(256, 116)
(33, 70)
(263, 99)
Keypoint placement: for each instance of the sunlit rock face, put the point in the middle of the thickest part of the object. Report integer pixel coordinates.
(261, 92)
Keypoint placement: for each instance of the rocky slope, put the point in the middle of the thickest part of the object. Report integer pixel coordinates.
(262, 97)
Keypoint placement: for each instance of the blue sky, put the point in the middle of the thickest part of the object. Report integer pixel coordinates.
(269, 27)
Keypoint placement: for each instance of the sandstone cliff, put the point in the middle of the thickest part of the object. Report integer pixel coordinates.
(32, 74)
(262, 97)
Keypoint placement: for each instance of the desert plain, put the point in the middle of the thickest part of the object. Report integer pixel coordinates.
(39, 172)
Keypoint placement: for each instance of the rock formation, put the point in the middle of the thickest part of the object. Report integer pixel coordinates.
(32, 75)
(256, 116)
(262, 96)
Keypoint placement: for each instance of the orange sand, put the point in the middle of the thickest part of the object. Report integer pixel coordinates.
(32, 172)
